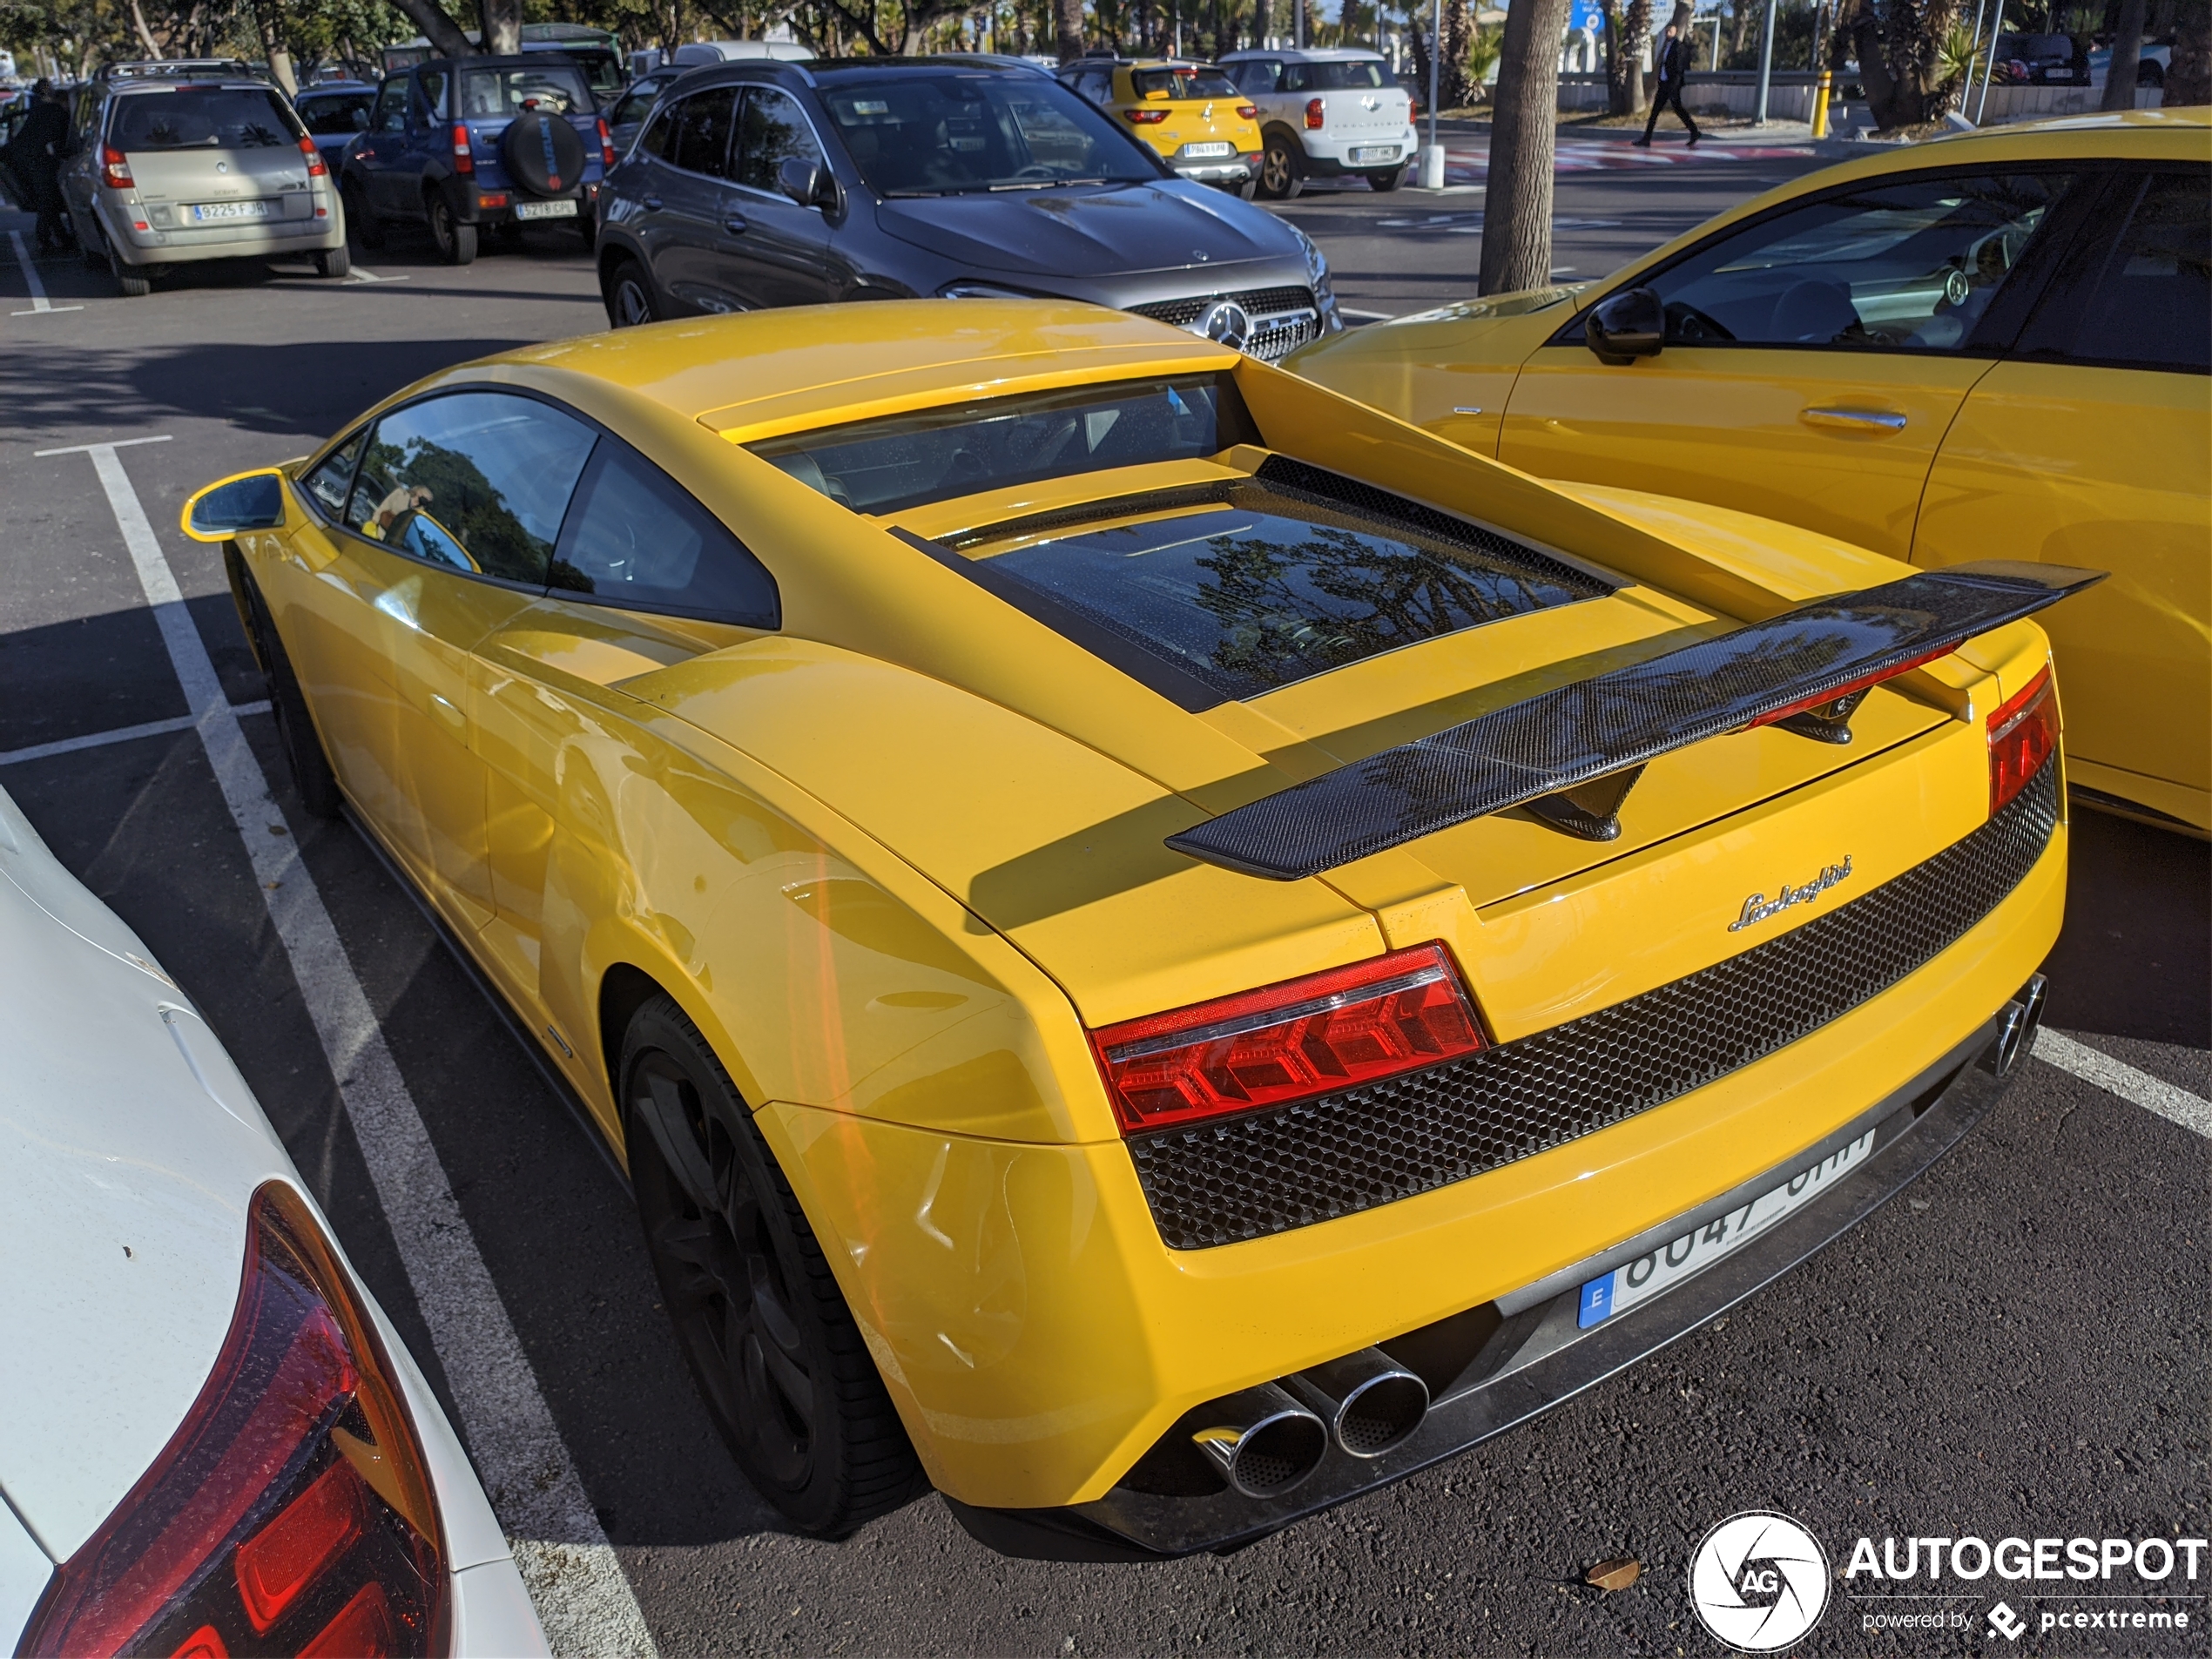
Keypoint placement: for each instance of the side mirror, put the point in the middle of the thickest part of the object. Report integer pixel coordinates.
(808, 183)
(252, 501)
(1626, 325)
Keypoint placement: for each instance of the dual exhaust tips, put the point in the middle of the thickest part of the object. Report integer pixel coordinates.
(1264, 1441)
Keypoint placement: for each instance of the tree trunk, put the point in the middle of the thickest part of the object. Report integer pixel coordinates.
(2188, 78)
(1068, 21)
(1635, 35)
(2127, 52)
(1517, 211)
(144, 34)
(503, 26)
(1616, 64)
(438, 28)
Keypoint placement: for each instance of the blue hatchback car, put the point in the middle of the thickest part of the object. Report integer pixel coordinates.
(333, 112)
(481, 141)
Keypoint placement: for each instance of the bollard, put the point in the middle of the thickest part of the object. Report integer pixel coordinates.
(1820, 106)
(1431, 166)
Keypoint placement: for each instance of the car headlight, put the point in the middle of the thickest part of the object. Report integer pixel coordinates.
(980, 291)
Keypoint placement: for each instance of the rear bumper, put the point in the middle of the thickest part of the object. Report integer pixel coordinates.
(1535, 1356)
(1228, 170)
(267, 240)
(1328, 157)
(467, 199)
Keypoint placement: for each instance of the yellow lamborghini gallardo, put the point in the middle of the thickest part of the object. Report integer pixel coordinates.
(1162, 948)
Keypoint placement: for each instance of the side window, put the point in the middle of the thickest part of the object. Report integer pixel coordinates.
(429, 95)
(773, 129)
(1097, 86)
(2143, 299)
(1291, 77)
(637, 539)
(391, 106)
(478, 481)
(659, 139)
(326, 485)
(703, 123)
(1909, 262)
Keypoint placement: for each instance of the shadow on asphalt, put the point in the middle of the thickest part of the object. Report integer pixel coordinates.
(2135, 957)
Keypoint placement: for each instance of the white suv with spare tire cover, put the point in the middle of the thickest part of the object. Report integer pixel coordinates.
(1325, 115)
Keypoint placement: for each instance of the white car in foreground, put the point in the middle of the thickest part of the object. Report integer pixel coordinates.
(211, 1441)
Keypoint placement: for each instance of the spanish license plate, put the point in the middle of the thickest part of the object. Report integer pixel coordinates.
(545, 210)
(1665, 1267)
(1196, 150)
(207, 212)
(1368, 152)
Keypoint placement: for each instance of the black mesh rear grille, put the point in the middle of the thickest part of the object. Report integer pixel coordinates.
(1271, 1172)
(1257, 302)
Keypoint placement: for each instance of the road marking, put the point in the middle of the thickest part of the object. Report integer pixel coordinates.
(2117, 1077)
(106, 443)
(40, 305)
(584, 1602)
(360, 273)
(119, 734)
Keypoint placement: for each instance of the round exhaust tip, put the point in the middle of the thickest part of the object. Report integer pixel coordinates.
(1371, 1403)
(1263, 1441)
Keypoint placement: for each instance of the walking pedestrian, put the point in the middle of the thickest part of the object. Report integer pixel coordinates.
(1673, 69)
(35, 156)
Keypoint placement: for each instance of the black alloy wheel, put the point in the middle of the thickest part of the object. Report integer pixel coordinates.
(303, 752)
(775, 1352)
(1282, 168)
(630, 295)
(456, 241)
(361, 223)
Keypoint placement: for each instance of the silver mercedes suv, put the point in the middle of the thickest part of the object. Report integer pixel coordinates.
(190, 160)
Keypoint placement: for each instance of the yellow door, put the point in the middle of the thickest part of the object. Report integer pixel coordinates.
(2093, 447)
(1812, 357)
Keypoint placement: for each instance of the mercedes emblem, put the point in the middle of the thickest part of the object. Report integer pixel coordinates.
(1226, 322)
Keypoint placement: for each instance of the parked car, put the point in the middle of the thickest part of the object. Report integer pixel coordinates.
(772, 184)
(1996, 341)
(1191, 113)
(625, 117)
(484, 141)
(2039, 60)
(595, 52)
(2150, 68)
(1325, 115)
(1163, 949)
(334, 113)
(694, 53)
(216, 1442)
(181, 160)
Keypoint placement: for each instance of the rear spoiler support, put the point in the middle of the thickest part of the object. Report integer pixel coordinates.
(1571, 754)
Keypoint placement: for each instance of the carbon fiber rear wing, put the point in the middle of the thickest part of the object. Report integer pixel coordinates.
(1806, 669)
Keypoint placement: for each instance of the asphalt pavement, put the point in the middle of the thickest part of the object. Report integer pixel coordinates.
(2016, 1346)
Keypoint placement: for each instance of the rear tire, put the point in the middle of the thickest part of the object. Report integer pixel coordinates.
(130, 281)
(303, 752)
(629, 296)
(780, 1363)
(457, 241)
(1388, 180)
(1282, 168)
(334, 262)
(361, 223)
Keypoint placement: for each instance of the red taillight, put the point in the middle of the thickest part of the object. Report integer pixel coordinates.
(606, 145)
(1146, 118)
(1250, 111)
(315, 169)
(1288, 1042)
(294, 1495)
(1315, 110)
(1413, 111)
(464, 159)
(2023, 734)
(115, 168)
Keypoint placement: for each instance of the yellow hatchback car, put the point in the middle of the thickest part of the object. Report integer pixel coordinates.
(1192, 114)
(1162, 948)
(1996, 345)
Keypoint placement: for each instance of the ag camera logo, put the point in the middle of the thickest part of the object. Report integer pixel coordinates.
(1758, 1582)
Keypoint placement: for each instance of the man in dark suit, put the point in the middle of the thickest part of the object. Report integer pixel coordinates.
(1674, 68)
(35, 157)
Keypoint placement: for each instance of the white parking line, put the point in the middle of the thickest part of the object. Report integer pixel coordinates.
(118, 734)
(584, 1602)
(2118, 1077)
(105, 443)
(40, 305)
(359, 273)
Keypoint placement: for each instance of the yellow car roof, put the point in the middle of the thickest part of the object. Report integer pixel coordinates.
(762, 373)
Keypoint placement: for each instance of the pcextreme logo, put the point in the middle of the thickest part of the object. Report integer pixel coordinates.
(1758, 1582)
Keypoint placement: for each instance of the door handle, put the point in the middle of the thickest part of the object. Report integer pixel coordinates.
(652, 204)
(733, 223)
(1854, 420)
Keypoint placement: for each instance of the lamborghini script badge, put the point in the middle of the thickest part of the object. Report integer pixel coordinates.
(1758, 906)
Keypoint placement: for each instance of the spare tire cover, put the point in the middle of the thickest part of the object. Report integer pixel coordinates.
(542, 153)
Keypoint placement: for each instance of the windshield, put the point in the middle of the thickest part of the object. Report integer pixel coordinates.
(904, 459)
(203, 118)
(1333, 77)
(601, 68)
(1182, 81)
(337, 113)
(936, 135)
(557, 89)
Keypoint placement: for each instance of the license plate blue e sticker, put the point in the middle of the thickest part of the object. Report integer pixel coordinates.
(1663, 1269)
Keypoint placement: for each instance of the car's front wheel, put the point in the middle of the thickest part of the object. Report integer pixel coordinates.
(1282, 168)
(456, 242)
(629, 296)
(776, 1354)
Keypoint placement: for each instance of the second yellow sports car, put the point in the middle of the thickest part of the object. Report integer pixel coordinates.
(1997, 345)
(1163, 949)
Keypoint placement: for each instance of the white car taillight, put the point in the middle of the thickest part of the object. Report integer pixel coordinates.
(115, 168)
(292, 1511)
